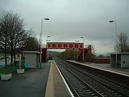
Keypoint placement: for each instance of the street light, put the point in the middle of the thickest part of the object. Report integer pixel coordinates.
(115, 24)
(40, 39)
(76, 57)
(76, 40)
(83, 47)
(47, 40)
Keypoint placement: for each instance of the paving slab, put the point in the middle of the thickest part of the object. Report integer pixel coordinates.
(56, 86)
(30, 84)
(113, 70)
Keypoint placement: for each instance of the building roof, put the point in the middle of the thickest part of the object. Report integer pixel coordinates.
(31, 52)
(120, 53)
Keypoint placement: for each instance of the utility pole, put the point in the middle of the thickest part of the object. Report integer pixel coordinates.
(40, 40)
(115, 27)
(5, 48)
(47, 44)
(76, 56)
(82, 48)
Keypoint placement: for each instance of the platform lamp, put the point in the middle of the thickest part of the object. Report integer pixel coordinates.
(48, 36)
(40, 39)
(76, 57)
(47, 40)
(83, 48)
(115, 27)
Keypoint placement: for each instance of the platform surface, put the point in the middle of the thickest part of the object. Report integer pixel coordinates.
(103, 67)
(30, 84)
(56, 86)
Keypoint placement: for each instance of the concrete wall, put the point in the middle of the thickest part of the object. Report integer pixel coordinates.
(124, 61)
(113, 61)
(98, 60)
(31, 59)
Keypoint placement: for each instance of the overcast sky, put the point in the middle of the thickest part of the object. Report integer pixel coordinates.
(71, 19)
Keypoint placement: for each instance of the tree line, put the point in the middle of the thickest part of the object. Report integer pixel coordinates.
(13, 36)
(122, 43)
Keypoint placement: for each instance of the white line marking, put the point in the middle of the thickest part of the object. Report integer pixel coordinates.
(64, 81)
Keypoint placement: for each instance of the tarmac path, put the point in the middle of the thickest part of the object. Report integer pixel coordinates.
(30, 84)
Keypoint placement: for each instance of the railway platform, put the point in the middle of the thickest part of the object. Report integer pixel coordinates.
(103, 68)
(56, 85)
(30, 84)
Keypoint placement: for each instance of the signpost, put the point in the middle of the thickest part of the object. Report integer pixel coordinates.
(64, 45)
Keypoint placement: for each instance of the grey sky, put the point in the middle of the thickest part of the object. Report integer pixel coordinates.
(71, 19)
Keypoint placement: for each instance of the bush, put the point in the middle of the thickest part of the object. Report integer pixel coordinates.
(8, 69)
(22, 64)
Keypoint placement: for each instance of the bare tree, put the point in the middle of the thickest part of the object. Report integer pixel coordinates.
(4, 33)
(12, 33)
(31, 44)
(122, 43)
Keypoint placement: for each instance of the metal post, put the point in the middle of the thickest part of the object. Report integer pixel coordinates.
(47, 44)
(83, 51)
(77, 49)
(82, 48)
(74, 53)
(115, 24)
(116, 35)
(40, 39)
(5, 49)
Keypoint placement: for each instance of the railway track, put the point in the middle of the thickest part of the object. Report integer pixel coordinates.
(78, 86)
(85, 84)
(105, 82)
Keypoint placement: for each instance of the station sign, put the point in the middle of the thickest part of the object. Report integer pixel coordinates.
(64, 45)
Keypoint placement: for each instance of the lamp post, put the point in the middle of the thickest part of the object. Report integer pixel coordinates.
(48, 36)
(115, 27)
(83, 47)
(76, 56)
(47, 44)
(40, 39)
(47, 41)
